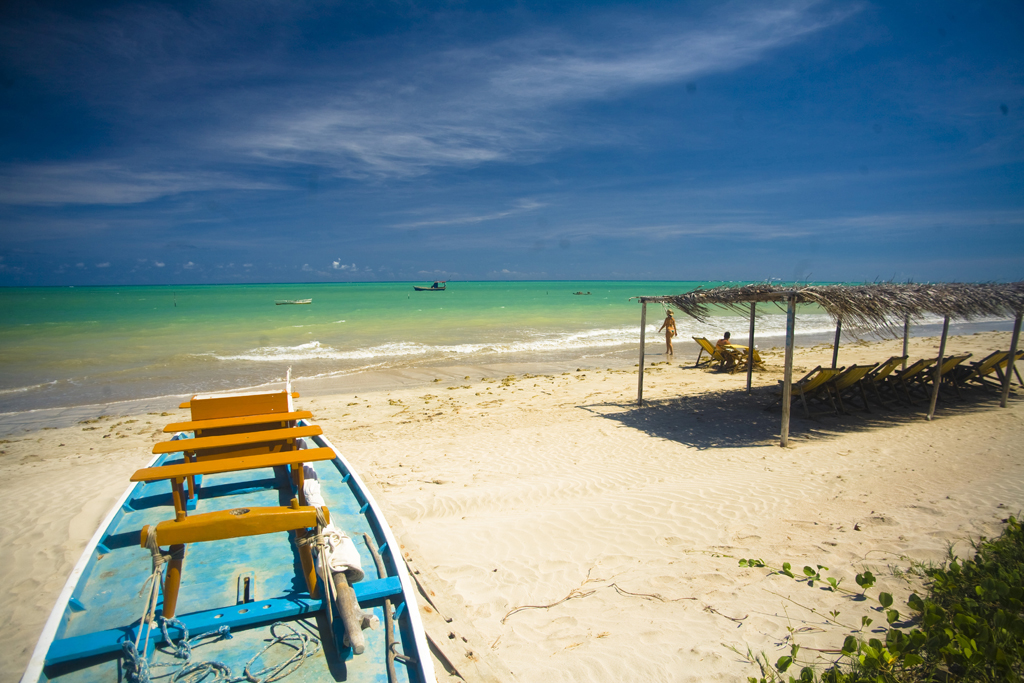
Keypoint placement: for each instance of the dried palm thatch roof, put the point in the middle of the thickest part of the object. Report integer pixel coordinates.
(879, 306)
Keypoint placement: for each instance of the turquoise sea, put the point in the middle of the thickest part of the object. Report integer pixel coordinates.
(87, 345)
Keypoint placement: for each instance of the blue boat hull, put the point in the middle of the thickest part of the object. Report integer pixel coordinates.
(247, 584)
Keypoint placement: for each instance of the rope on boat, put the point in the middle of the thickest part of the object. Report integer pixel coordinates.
(305, 646)
(318, 543)
(137, 666)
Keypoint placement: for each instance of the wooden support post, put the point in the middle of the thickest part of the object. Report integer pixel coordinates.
(835, 344)
(938, 368)
(643, 340)
(1009, 365)
(172, 582)
(750, 347)
(787, 382)
(306, 560)
(906, 339)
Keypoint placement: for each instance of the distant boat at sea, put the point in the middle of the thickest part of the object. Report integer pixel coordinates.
(436, 287)
(282, 302)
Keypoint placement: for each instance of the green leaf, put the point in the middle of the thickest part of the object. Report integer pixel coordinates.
(865, 580)
(915, 603)
(787, 569)
(885, 599)
(891, 615)
(849, 645)
(912, 660)
(783, 663)
(809, 571)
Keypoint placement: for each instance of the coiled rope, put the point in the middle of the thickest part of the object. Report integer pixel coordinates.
(137, 667)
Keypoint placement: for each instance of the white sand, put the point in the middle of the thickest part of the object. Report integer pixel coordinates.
(524, 492)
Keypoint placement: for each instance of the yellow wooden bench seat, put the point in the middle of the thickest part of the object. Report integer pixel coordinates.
(235, 405)
(247, 462)
(244, 421)
(236, 441)
(187, 471)
(224, 524)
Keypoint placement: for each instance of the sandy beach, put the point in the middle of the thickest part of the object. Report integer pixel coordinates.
(570, 535)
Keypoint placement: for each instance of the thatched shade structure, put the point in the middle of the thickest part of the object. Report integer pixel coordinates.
(884, 307)
(876, 306)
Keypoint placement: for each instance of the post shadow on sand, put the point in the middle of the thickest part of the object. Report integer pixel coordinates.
(736, 419)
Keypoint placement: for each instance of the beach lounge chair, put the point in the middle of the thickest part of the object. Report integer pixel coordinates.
(714, 353)
(227, 524)
(876, 380)
(847, 382)
(979, 372)
(921, 382)
(811, 386)
(910, 379)
(947, 374)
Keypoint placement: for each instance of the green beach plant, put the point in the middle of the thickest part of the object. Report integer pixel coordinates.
(969, 627)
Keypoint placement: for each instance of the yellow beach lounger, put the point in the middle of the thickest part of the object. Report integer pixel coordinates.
(847, 381)
(877, 379)
(979, 372)
(810, 385)
(910, 378)
(714, 353)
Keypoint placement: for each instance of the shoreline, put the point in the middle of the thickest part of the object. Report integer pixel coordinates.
(517, 490)
(422, 375)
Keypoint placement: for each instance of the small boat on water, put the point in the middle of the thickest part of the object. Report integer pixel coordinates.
(283, 302)
(436, 287)
(248, 549)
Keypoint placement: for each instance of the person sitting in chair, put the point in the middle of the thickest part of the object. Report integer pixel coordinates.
(728, 354)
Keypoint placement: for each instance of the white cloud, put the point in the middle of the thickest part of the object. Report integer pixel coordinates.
(306, 268)
(189, 266)
(112, 182)
(105, 264)
(502, 101)
(338, 265)
(521, 207)
(158, 264)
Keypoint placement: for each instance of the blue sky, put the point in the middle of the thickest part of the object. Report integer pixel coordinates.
(167, 143)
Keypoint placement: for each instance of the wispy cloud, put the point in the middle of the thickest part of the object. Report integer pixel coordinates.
(153, 73)
(502, 102)
(109, 183)
(521, 207)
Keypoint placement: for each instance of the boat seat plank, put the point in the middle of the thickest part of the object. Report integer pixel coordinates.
(234, 523)
(187, 405)
(248, 462)
(244, 421)
(232, 440)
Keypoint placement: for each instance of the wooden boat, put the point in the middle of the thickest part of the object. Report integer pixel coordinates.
(236, 518)
(284, 302)
(436, 287)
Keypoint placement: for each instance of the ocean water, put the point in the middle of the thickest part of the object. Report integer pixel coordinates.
(87, 345)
